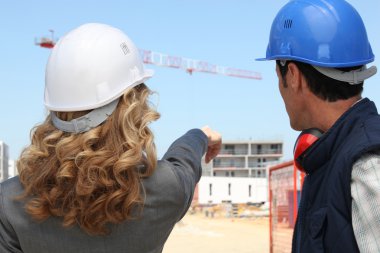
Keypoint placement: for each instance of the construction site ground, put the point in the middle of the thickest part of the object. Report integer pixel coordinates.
(200, 234)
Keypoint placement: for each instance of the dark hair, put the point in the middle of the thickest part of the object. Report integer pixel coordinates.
(322, 86)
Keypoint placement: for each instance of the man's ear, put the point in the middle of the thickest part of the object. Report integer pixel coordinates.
(294, 77)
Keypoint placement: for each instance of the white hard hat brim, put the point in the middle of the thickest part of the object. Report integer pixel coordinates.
(148, 73)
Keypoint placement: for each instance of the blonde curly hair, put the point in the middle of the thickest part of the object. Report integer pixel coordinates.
(91, 179)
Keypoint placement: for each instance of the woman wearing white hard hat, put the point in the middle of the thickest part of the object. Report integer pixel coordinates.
(90, 180)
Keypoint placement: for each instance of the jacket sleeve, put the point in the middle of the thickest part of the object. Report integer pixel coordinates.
(8, 239)
(185, 155)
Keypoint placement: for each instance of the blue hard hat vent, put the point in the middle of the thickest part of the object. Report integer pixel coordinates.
(288, 23)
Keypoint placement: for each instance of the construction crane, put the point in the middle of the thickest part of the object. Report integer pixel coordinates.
(165, 60)
(45, 41)
(191, 65)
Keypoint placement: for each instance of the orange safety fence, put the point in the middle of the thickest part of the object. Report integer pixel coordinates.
(285, 183)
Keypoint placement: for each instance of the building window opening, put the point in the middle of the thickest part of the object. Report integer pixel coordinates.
(210, 189)
(229, 189)
(259, 149)
(249, 190)
(230, 149)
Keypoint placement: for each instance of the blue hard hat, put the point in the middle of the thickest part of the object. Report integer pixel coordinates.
(326, 33)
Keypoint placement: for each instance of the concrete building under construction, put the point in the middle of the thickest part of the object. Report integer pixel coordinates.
(244, 159)
(239, 174)
(4, 156)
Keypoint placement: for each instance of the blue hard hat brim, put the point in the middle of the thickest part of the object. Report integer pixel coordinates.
(262, 59)
(318, 63)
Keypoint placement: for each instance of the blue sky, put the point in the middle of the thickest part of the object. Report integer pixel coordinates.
(226, 33)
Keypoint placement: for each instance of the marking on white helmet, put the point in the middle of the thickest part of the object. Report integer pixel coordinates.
(124, 47)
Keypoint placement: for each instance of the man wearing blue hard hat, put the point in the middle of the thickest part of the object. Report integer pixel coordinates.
(321, 50)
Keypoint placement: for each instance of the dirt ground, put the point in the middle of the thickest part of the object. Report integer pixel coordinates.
(200, 234)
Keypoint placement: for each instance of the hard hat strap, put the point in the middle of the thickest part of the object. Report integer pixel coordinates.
(352, 77)
(85, 122)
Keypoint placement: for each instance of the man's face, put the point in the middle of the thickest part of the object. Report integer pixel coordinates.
(291, 101)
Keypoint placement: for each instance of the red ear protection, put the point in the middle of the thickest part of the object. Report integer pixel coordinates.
(304, 141)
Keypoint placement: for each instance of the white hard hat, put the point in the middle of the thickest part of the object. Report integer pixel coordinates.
(90, 67)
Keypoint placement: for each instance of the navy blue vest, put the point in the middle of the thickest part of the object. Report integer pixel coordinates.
(324, 221)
